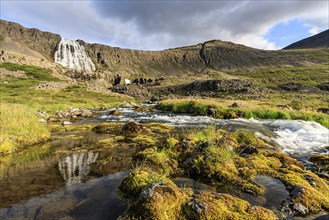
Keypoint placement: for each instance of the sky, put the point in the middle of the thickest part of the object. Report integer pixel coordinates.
(157, 25)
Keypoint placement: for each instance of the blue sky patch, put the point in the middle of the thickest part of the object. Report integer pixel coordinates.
(286, 33)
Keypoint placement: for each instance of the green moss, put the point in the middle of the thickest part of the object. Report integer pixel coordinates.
(144, 140)
(159, 127)
(224, 206)
(171, 142)
(138, 180)
(246, 137)
(314, 198)
(157, 160)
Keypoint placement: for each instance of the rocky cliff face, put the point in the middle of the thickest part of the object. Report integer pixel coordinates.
(42, 42)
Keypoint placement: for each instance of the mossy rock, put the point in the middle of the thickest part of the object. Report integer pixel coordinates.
(315, 191)
(160, 201)
(138, 180)
(156, 160)
(208, 205)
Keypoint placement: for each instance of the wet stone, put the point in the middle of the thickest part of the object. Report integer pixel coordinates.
(297, 192)
(301, 209)
(247, 149)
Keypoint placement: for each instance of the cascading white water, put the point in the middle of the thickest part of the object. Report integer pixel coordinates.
(72, 55)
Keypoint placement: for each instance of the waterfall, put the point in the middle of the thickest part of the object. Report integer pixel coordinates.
(72, 55)
(75, 168)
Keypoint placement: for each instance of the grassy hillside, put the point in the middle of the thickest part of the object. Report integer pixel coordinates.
(22, 91)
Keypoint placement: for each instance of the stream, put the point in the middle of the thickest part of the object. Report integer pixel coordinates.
(52, 185)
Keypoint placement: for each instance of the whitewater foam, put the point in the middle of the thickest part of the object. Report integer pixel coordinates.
(72, 55)
(297, 136)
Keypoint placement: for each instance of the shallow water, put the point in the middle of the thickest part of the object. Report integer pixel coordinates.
(95, 199)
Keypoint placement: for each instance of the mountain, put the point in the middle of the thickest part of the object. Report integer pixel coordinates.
(320, 40)
(39, 48)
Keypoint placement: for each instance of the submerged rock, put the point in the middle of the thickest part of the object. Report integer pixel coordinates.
(115, 112)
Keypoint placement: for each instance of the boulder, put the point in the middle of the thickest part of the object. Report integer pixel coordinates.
(86, 113)
(66, 123)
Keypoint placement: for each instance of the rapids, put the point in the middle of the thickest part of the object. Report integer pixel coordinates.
(295, 137)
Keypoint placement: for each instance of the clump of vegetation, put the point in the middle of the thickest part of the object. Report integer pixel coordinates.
(20, 127)
(223, 206)
(159, 127)
(144, 140)
(138, 180)
(157, 160)
(161, 200)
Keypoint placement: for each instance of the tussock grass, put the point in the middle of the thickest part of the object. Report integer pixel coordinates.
(20, 126)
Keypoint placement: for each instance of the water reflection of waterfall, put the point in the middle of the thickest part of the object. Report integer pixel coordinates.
(73, 55)
(75, 168)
